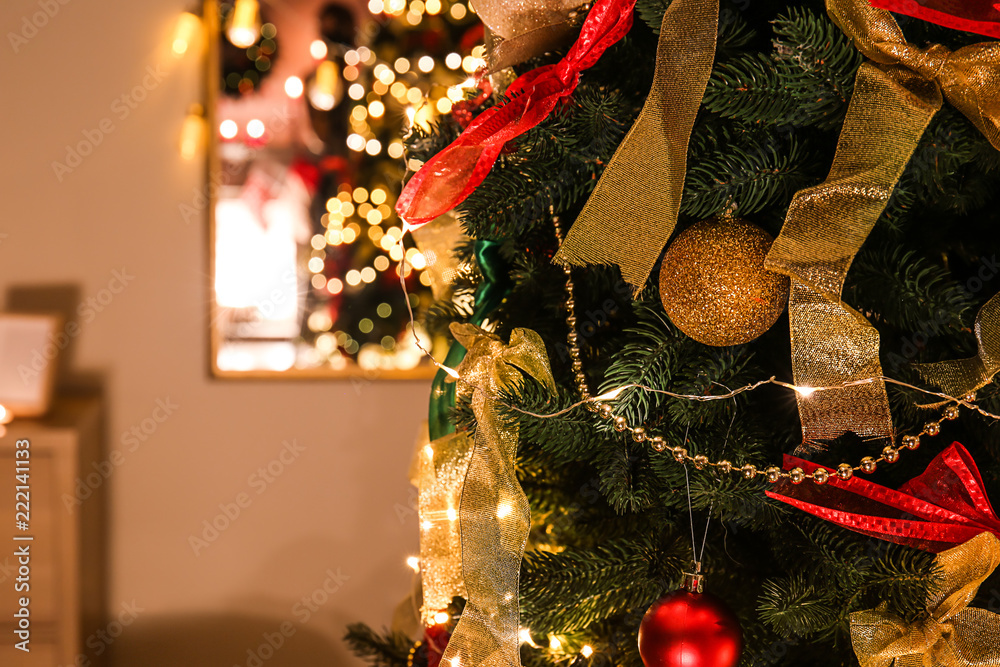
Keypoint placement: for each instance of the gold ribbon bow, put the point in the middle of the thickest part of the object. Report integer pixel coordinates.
(634, 207)
(963, 376)
(896, 93)
(494, 513)
(951, 635)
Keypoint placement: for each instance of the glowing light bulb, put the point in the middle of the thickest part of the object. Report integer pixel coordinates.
(414, 563)
(327, 88)
(255, 128)
(586, 651)
(188, 27)
(554, 643)
(453, 61)
(244, 24)
(317, 49)
(192, 132)
(5, 415)
(610, 395)
(294, 87)
(504, 510)
(425, 64)
(805, 391)
(452, 514)
(442, 617)
(450, 371)
(228, 128)
(429, 451)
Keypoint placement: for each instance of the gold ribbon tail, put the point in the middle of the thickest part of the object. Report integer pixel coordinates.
(823, 231)
(494, 513)
(963, 376)
(634, 207)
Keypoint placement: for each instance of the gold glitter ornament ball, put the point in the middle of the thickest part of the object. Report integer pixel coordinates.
(714, 286)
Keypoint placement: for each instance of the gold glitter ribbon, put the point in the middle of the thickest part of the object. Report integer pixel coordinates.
(442, 467)
(896, 93)
(494, 513)
(951, 635)
(963, 376)
(634, 207)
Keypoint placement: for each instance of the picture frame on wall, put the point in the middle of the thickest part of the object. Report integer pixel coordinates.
(29, 356)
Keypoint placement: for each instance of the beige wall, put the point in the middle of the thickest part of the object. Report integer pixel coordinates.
(334, 507)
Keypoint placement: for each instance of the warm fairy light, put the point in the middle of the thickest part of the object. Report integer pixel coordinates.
(373, 147)
(335, 286)
(244, 24)
(228, 128)
(433, 7)
(294, 87)
(413, 96)
(326, 88)
(395, 150)
(414, 563)
(368, 274)
(458, 11)
(524, 635)
(356, 142)
(375, 6)
(554, 643)
(353, 277)
(315, 264)
(376, 109)
(806, 391)
(192, 132)
(188, 27)
(426, 525)
(586, 651)
(317, 49)
(610, 395)
(452, 514)
(453, 61)
(429, 451)
(451, 371)
(255, 128)
(356, 91)
(504, 509)
(442, 617)
(381, 262)
(5, 415)
(425, 64)
(443, 105)
(366, 55)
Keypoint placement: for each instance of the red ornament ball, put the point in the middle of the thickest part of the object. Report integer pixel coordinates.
(685, 629)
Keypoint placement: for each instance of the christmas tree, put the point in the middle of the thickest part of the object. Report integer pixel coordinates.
(633, 473)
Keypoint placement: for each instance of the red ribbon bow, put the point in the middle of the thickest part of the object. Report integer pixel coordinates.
(979, 16)
(943, 507)
(451, 175)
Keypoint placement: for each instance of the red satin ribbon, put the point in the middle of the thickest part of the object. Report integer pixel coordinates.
(979, 16)
(943, 507)
(451, 175)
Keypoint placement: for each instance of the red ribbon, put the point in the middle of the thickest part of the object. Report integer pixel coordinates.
(979, 16)
(451, 175)
(943, 507)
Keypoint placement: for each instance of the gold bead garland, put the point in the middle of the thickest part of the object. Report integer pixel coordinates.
(773, 474)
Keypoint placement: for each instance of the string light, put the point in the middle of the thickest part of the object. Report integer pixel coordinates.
(414, 563)
(586, 651)
(187, 30)
(192, 132)
(442, 617)
(244, 24)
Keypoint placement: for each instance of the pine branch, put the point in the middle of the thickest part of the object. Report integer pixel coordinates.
(389, 649)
